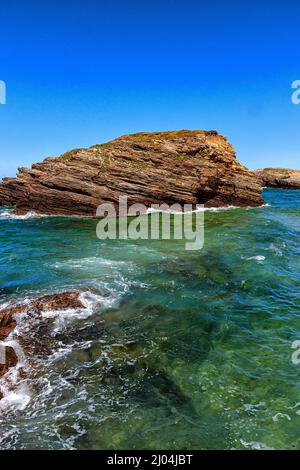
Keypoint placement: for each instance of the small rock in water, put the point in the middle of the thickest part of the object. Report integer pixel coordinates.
(8, 318)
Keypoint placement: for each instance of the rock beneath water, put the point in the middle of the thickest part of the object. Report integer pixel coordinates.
(192, 167)
(63, 301)
(11, 360)
(279, 178)
(8, 315)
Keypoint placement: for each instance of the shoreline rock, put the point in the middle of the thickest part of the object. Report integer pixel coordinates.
(192, 167)
(8, 319)
(281, 178)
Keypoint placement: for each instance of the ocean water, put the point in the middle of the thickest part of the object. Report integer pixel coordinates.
(177, 349)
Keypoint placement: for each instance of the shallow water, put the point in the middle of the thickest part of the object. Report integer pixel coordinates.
(179, 349)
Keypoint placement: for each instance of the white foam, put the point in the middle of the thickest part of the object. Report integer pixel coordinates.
(275, 249)
(16, 394)
(64, 350)
(8, 214)
(29, 215)
(280, 416)
(91, 302)
(255, 445)
(295, 406)
(17, 399)
(89, 262)
(258, 258)
(203, 209)
(253, 408)
(195, 211)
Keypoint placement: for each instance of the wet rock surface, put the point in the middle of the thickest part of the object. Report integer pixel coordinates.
(8, 318)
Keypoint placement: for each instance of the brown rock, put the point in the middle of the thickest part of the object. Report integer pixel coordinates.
(11, 360)
(195, 167)
(279, 178)
(63, 301)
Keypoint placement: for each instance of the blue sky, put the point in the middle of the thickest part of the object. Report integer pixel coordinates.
(83, 72)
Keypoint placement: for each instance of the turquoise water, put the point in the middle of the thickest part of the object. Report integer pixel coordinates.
(181, 349)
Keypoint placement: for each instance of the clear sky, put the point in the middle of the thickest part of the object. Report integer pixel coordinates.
(82, 72)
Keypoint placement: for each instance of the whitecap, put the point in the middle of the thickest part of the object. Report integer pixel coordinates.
(258, 258)
(256, 445)
(17, 399)
(29, 215)
(151, 210)
(203, 209)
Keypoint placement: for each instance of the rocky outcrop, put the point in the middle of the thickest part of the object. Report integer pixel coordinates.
(11, 360)
(279, 178)
(195, 167)
(8, 319)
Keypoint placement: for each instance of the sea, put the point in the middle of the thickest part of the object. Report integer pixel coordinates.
(175, 349)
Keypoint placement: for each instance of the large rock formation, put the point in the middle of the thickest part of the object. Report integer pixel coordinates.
(196, 167)
(279, 178)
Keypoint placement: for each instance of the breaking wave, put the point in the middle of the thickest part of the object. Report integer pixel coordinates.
(8, 214)
(203, 209)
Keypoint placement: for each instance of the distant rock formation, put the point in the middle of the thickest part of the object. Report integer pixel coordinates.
(193, 167)
(279, 178)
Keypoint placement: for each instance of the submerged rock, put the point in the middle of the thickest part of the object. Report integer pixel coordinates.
(281, 178)
(192, 167)
(11, 360)
(8, 318)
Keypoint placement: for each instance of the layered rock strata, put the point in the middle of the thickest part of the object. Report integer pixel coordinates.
(192, 167)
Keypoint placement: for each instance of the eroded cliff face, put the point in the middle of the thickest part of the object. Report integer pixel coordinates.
(192, 167)
(279, 178)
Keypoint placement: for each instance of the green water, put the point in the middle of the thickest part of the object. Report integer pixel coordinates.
(183, 350)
